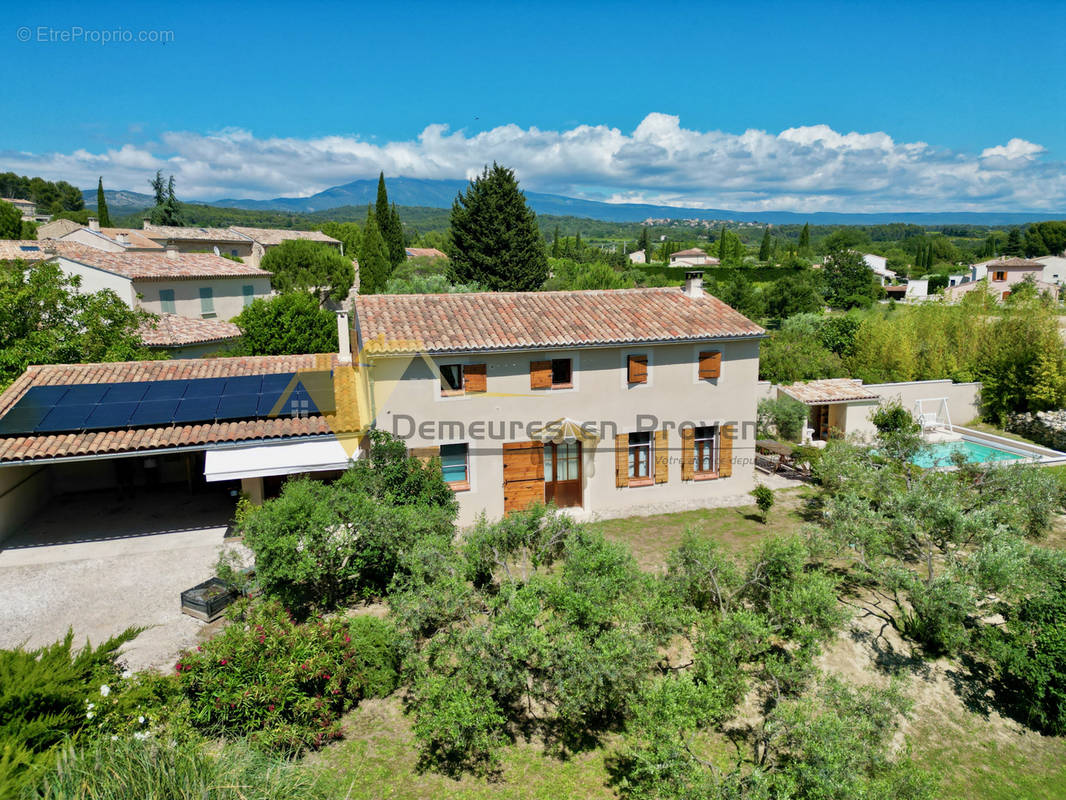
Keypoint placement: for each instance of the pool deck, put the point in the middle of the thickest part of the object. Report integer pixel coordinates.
(1033, 453)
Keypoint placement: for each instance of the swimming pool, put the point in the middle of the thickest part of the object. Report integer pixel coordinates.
(939, 454)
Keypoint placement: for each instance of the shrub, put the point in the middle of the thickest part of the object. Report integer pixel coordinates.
(46, 695)
(286, 324)
(764, 499)
(284, 684)
(128, 768)
(781, 416)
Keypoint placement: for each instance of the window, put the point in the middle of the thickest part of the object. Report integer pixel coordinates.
(248, 292)
(207, 302)
(451, 379)
(637, 369)
(454, 466)
(999, 275)
(562, 373)
(705, 459)
(640, 457)
(166, 301)
(710, 365)
(233, 253)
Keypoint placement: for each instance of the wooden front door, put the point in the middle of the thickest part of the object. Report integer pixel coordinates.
(820, 422)
(523, 475)
(562, 474)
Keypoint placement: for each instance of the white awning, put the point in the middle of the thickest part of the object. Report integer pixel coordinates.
(283, 458)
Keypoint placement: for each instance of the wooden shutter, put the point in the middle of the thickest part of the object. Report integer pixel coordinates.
(474, 378)
(710, 364)
(638, 369)
(540, 374)
(688, 453)
(725, 451)
(523, 475)
(621, 460)
(424, 454)
(662, 457)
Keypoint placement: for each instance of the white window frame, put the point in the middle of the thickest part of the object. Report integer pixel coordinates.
(469, 464)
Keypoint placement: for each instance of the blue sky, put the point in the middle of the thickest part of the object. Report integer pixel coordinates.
(347, 89)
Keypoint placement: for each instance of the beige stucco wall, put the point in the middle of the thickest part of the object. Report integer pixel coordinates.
(240, 249)
(94, 240)
(228, 295)
(23, 490)
(963, 398)
(95, 280)
(407, 395)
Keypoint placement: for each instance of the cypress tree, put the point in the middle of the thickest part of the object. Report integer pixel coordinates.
(764, 248)
(805, 239)
(394, 240)
(381, 207)
(722, 245)
(495, 241)
(555, 243)
(101, 205)
(374, 267)
(577, 243)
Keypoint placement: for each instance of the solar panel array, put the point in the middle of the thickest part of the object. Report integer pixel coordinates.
(99, 406)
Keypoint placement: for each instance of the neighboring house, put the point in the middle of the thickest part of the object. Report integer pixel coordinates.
(1054, 268)
(1004, 274)
(879, 265)
(220, 241)
(609, 403)
(917, 289)
(112, 240)
(27, 208)
(693, 257)
(194, 285)
(28, 250)
(638, 257)
(184, 337)
(264, 239)
(424, 252)
(57, 228)
(188, 427)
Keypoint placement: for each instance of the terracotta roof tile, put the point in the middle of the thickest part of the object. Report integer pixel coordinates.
(190, 234)
(830, 390)
(272, 236)
(148, 266)
(523, 320)
(171, 330)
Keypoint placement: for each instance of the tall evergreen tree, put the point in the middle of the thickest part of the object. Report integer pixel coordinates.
(578, 246)
(167, 209)
(389, 225)
(495, 241)
(1014, 246)
(764, 248)
(644, 243)
(723, 245)
(101, 205)
(159, 188)
(374, 266)
(805, 239)
(555, 243)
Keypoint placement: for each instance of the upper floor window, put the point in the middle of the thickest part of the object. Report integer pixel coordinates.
(458, 379)
(555, 374)
(999, 275)
(637, 369)
(710, 365)
(207, 302)
(562, 373)
(166, 301)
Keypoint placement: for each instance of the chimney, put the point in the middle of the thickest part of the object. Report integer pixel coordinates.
(694, 283)
(172, 250)
(122, 238)
(344, 337)
(146, 223)
(94, 224)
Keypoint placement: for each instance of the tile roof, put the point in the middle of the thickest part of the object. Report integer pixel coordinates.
(692, 251)
(15, 250)
(830, 390)
(157, 265)
(57, 228)
(424, 252)
(190, 234)
(171, 330)
(1014, 263)
(272, 236)
(524, 320)
(136, 238)
(125, 440)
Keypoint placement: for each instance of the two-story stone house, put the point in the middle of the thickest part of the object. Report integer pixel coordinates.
(605, 402)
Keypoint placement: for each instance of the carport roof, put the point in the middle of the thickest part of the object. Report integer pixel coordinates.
(830, 390)
(47, 446)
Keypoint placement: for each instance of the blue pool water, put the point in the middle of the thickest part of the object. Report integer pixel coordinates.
(939, 454)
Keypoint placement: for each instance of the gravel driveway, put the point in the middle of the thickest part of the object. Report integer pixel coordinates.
(100, 564)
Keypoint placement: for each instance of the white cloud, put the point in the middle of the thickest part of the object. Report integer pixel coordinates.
(803, 168)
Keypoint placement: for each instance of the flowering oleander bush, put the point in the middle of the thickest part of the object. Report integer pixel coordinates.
(282, 683)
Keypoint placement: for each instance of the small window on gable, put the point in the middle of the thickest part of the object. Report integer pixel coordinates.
(454, 465)
(562, 373)
(999, 276)
(451, 379)
(166, 301)
(710, 365)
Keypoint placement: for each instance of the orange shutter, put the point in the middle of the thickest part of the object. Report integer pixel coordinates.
(621, 460)
(638, 369)
(523, 475)
(710, 364)
(688, 454)
(540, 374)
(725, 451)
(474, 377)
(662, 457)
(424, 454)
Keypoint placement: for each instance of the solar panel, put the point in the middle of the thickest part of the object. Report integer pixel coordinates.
(111, 415)
(165, 390)
(276, 383)
(154, 412)
(64, 418)
(246, 384)
(195, 409)
(125, 392)
(85, 394)
(237, 406)
(205, 387)
(23, 420)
